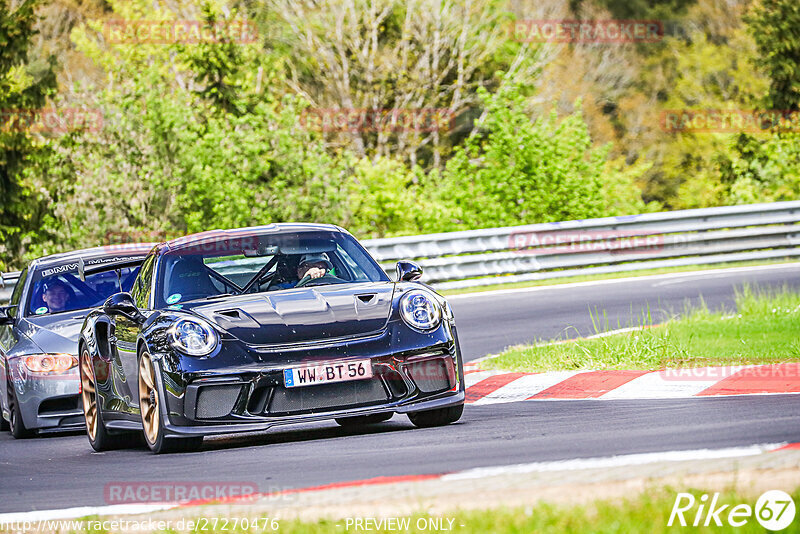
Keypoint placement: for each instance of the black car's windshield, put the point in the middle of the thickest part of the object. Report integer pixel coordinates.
(227, 265)
(59, 289)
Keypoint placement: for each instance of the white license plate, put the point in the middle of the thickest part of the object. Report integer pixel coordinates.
(327, 373)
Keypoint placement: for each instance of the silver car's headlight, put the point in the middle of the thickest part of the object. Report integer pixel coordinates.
(50, 364)
(419, 309)
(194, 337)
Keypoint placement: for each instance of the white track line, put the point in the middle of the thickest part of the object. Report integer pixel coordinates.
(473, 378)
(526, 386)
(613, 461)
(655, 386)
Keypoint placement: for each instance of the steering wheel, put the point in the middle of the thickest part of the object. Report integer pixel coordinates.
(322, 280)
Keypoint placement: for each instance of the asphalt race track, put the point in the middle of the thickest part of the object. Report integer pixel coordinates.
(62, 471)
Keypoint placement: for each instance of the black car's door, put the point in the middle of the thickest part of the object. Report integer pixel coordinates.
(124, 368)
(9, 336)
(127, 336)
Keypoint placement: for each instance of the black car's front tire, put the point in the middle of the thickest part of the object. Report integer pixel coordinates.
(437, 417)
(150, 408)
(99, 437)
(361, 420)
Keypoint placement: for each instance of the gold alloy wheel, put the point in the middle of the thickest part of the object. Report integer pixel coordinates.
(148, 398)
(88, 387)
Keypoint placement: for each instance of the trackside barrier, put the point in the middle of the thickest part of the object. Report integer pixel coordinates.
(490, 256)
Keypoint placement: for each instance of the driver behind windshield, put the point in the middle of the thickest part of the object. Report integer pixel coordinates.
(55, 296)
(310, 267)
(313, 266)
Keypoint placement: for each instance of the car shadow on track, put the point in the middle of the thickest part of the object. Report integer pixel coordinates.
(297, 434)
(51, 434)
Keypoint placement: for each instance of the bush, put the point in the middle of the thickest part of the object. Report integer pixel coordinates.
(515, 171)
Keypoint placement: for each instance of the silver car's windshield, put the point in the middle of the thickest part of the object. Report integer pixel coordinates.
(60, 289)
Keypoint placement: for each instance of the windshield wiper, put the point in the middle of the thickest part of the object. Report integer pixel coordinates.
(221, 295)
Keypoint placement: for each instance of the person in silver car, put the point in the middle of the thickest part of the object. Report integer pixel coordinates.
(39, 328)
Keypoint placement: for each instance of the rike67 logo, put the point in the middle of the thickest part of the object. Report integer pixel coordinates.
(774, 510)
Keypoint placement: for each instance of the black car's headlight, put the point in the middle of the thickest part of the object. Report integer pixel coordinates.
(194, 337)
(420, 309)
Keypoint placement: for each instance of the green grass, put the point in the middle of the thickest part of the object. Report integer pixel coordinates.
(765, 329)
(647, 512)
(608, 276)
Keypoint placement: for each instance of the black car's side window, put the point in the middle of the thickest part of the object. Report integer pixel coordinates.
(141, 287)
(16, 295)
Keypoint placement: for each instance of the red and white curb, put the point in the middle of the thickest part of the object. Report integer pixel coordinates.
(491, 386)
(467, 474)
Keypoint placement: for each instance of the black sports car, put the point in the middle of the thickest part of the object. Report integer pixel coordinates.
(39, 331)
(240, 330)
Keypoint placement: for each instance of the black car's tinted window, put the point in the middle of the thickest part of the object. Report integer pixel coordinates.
(141, 287)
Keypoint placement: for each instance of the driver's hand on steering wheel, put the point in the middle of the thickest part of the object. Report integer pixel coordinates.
(312, 270)
(316, 272)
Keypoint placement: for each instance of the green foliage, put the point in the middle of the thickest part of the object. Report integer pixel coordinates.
(621, 193)
(24, 88)
(516, 171)
(382, 199)
(762, 169)
(183, 161)
(210, 135)
(775, 26)
(699, 71)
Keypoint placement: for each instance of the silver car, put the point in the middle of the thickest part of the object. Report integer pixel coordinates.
(39, 330)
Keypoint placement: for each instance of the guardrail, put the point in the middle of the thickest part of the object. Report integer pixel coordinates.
(612, 244)
(607, 245)
(7, 286)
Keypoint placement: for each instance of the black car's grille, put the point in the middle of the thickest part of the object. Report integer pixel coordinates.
(430, 375)
(216, 401)
(326, 396)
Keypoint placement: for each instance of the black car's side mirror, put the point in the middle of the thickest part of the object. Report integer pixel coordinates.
(408, 271)
(5, 315)
(122, 304)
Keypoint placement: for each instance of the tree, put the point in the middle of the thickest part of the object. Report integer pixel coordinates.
(399, 58)
(515, 170)
(775, 26)
(24, 88)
